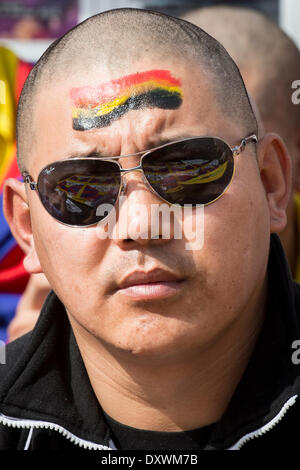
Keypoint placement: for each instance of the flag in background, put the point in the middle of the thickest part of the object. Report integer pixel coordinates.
(13, 277)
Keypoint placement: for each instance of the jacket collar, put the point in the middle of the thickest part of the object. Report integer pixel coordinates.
(48, 381)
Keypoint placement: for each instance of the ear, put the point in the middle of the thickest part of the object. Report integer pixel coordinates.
(275, 170)
(17, 214)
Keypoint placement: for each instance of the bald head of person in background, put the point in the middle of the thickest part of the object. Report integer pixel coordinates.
(269, 62)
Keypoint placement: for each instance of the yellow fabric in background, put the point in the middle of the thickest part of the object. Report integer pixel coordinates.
(297, 208)
(8, 69)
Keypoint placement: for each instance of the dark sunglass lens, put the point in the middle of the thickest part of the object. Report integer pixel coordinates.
(194, 171)
(72, 191)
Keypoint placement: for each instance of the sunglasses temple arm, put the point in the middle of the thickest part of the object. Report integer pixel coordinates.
(239, 148)
(28, 179)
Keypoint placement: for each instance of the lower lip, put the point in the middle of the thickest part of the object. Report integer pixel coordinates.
(153, 290)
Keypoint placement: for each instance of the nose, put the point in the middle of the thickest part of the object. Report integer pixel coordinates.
(138, 220)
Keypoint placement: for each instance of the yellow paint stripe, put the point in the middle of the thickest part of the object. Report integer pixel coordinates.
(108, 107)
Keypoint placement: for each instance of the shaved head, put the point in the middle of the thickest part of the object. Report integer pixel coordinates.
(116, 40)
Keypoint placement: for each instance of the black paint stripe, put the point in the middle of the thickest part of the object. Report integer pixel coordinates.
(157, 98)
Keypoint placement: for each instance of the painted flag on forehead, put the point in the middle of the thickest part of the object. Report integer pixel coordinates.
(13, 277)
(100, 106)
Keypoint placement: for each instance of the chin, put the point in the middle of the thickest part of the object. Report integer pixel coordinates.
(153, 351)
(156, 345)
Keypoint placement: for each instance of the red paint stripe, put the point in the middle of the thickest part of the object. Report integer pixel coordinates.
(95, 96)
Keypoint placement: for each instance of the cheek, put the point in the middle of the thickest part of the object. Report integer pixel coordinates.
(236, 240)
(70, 257)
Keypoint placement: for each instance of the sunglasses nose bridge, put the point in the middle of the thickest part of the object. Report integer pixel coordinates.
(135, 168)
(123, 172)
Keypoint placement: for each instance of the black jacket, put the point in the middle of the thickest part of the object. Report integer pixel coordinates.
(46, 400)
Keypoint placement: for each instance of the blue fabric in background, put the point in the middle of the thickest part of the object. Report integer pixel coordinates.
(8, 305)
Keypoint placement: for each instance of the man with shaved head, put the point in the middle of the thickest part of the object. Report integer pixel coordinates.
(177, 331)
(269, 62)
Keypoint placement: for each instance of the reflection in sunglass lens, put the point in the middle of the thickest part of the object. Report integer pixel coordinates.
(195, 171)
(72, 190)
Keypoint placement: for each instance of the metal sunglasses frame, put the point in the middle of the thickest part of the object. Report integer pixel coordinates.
(235, 151)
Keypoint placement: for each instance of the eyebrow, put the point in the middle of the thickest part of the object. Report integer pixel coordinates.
(88, 155)
(156, 143)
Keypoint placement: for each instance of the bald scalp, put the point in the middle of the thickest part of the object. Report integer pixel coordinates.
(115, 40)
(268, 59)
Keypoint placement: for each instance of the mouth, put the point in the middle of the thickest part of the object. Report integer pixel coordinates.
(155, 284)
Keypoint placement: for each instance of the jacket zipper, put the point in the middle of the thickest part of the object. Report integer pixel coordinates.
(35, 424)
(267, 427)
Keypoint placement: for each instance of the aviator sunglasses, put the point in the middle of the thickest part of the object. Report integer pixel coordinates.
(194, 171)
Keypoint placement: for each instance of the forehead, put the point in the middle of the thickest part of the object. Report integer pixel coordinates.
(108, 109)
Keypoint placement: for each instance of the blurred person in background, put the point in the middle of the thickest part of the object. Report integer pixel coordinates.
(269, 62)
(28, 307)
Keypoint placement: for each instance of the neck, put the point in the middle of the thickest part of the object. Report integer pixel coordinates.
(188, 393)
